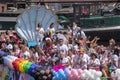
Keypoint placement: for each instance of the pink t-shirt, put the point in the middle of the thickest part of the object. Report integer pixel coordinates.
(47, 48)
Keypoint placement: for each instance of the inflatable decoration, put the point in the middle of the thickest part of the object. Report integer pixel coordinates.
(58, 72)
(2, 54)
(76, 74)
(24, 66)
(8, 60)
(116, 74)
(42, 74)
(28, 21)
(57, 67)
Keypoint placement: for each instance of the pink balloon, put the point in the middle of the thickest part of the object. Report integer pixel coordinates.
(75, 74)
(79, 71)
(69, 75)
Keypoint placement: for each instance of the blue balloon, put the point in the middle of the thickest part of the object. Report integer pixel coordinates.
(54, 73)
(54, 78)
(5, 60)
(61, 74)
(66, 71)
(2, 52)
(30, 70)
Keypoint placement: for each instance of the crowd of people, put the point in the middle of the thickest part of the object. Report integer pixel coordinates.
(71, 48)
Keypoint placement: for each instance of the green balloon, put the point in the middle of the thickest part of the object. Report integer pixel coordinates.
(27, 66)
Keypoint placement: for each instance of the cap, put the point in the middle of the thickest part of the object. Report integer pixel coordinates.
(47, 39)
(9, 46)
(61, 40)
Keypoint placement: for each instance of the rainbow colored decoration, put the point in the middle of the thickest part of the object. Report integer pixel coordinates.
(24, 66)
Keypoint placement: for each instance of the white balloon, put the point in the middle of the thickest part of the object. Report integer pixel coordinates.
(83, 76)
(98, 79)
(117, 72)
(93, 71)
(87, 73)
(118, 78)
(98, 73)
(91, 77)
(113, 74)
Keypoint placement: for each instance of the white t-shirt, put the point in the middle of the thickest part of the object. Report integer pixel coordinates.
(53, 30)
(63, 48)
(95, 62)
(25, 55)
(70, 46)
(103, 59)
(35, 55)
(75, 30)
(81, 34)
(115, 58)
(86, 59)
(61, 36)
(39, 36)
(64, 60)
(41, 30)
(71, 59)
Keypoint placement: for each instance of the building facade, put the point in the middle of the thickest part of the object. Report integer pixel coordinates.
(3, 7)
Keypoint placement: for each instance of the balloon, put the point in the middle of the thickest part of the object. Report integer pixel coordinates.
(83, 76)
(113, 74)
(98, 73)
(98, 79)
(87, 73)
(79, 71)
(8, 60)
(75, 74)
(117, 71)
(66, 71)
(54, 78)
(118, 77)
(61, 74)
(54, 73)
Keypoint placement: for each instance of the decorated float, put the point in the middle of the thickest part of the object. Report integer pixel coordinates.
(13, 68)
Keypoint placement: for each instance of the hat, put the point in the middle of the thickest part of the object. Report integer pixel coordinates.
(9, 46)
(61, 40)
(47, 39)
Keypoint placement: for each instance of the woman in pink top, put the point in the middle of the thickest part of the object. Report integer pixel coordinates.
(48, 44)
